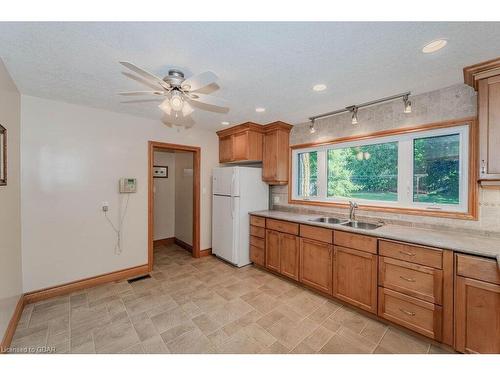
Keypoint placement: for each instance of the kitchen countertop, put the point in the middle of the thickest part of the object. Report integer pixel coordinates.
(464, 243)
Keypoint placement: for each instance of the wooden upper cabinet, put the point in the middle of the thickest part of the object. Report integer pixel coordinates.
(241, 143)
(275, 157)
(316, 264)
(477, 305)
(485, 78)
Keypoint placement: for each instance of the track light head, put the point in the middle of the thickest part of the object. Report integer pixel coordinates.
(354, 114)
(312, 129)
(407, 103)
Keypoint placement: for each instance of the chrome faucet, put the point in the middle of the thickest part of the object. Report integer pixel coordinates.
(352, 210)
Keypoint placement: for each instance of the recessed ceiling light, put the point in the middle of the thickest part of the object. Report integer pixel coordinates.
(225, 122)
(260, 109)
(319, 87)
(434, 46)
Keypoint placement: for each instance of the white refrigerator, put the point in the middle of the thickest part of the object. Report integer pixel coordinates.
(236, 192)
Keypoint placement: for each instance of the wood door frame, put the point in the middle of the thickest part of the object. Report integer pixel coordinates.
(152, 146)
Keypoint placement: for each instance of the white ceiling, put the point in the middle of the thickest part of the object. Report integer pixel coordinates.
(272, 65)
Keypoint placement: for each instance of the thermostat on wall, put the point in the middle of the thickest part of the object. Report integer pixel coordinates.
(128, 185)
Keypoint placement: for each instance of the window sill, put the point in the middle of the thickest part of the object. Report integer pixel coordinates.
(470, 215)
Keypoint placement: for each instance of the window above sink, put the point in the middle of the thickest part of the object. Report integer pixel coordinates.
(422, 170)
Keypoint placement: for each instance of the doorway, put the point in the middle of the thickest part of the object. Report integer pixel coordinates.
(189, 158)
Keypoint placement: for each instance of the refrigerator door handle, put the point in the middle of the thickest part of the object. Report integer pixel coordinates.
(232, 207)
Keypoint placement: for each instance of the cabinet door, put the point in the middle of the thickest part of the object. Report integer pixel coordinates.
(240, 146)
(355, 277)
(477, 316)
(273, 250)
(270, 156)
(226, 149)
(316, 264)
(289, 255)
(489, 127)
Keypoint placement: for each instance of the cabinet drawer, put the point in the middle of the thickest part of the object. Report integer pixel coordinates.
(478, 268)
(412, 279)
(355, 241)
(257, 231)
(257, 255)
(316, 233)
(258, 221)
(283, 226)
(419, 316)
(412, 253)
(257, 242)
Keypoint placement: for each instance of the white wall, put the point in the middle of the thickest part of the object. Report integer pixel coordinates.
(164, 197)
(10, 203)
(184, 197)
(72, 158)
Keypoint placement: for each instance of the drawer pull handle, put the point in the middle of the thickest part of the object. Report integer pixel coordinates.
(407, 253)
(407, 279)
(410, 313)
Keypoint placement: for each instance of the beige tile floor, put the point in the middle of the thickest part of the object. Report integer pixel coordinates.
(205, 306)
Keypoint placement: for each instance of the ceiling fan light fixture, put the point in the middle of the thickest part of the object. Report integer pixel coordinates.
(187, 109)
(176, 101)
(165, 107)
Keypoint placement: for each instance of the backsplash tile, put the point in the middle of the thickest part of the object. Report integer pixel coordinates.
(454, 102)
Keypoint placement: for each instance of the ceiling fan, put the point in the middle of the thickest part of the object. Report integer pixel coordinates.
(178, 91)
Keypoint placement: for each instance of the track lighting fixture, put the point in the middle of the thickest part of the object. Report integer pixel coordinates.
(312, 129)
(354, 108)
(407, 103)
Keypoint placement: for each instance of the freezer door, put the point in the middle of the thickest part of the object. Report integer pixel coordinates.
(225, 225)
(225, 181)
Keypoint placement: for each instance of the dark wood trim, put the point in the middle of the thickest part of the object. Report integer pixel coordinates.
(164, 241)
(184, 245)
(89, 282)
(484, 69)
(152, 145)
(11, 327)
(472, 211)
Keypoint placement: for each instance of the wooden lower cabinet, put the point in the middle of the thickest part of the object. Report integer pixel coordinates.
(355, 277)
(273, 250)
(477, 316)
(412, 313)
(282, 253)
(316, 264)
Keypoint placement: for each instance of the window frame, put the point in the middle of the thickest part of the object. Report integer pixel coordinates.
(467, 208)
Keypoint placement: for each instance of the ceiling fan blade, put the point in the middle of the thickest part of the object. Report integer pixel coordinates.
(134, 93)
(209, 100)
(199, 81)
(149, 76)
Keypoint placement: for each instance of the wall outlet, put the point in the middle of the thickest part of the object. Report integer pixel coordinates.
(105, 206)
(276, 199)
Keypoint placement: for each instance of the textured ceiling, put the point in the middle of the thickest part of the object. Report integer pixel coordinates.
(272, 65)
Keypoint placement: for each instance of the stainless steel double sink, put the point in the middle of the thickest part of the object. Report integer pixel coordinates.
(347, 223)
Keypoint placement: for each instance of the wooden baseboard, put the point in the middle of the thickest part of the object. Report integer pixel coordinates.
(11, 327)
(183, 244)
(206, 252)
(74, 286)
(164, 241)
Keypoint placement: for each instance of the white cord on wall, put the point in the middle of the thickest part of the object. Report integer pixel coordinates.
(118, 231)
